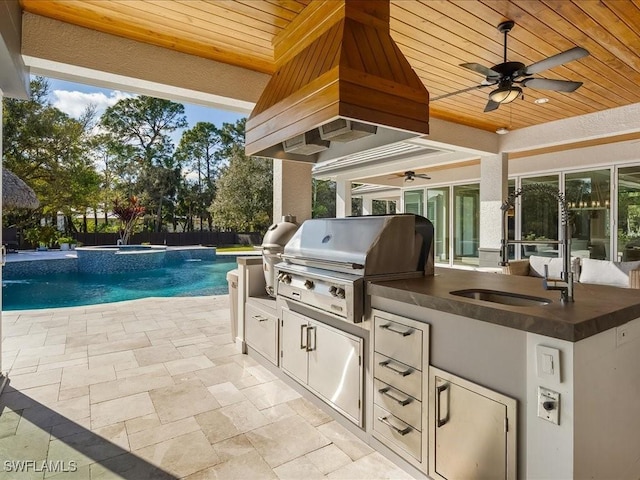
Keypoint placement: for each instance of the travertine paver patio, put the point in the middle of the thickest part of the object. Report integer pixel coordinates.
(155, 389)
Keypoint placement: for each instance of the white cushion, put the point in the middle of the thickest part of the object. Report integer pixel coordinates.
(537, 263)
(604, 272)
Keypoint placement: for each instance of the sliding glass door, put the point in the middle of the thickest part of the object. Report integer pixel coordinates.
(438, 213)
(466, 218)
(414, 201)
(587, 196)
(629, 214)
(539, 217)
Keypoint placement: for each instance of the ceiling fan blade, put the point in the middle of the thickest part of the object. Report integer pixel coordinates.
(491, 106)
(572, 54)
(458, 92)
(549, 84)
(481, 69)
(423, 176)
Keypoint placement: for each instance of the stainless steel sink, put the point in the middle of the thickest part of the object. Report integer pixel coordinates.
(504, 298)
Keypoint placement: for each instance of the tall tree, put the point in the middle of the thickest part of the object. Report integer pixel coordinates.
(244, 197)
(324, 198)
(141, 125)
(198, 155)
(49, 150)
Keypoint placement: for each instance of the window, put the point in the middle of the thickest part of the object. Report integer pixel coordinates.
(466, 221)
(438, 213)
(588, 200)
(413, 201)
(381, 207)
(629, 214)
(539, 217)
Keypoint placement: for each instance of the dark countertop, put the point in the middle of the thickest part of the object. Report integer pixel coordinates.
(596, 308)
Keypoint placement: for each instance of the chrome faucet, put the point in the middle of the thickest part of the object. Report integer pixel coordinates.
(565, 283)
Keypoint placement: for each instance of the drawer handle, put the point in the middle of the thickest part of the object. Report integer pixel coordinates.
(439, 420)
(303, 336)
(405, 402)
(401, 431)
(403, 373)
(404, 333)
(260, 318)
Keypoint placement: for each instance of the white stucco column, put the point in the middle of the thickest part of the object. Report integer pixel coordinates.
(493, 190)
(292, 191)
(343, 198)
(367, 206)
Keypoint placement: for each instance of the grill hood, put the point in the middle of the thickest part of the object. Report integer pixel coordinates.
(341, 86)
(368, 245)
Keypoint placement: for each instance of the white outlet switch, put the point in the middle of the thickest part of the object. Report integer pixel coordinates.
(549, 405)
(548, 363)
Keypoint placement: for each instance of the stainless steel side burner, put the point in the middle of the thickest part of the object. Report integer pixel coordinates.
(327, 262)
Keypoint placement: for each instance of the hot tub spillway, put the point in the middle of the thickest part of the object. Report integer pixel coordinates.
(120, 258)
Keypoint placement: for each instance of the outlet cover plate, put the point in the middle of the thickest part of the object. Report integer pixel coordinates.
(546, 395)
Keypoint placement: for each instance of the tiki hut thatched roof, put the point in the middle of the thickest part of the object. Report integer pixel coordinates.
(16, 193)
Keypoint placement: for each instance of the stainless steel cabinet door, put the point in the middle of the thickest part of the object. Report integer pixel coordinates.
(472, 437)
(294, 344)
(334, 368)
(261, 332)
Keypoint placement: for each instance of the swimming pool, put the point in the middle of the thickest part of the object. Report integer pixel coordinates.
(189, 278)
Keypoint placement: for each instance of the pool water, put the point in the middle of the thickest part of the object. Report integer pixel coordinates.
(189, 278)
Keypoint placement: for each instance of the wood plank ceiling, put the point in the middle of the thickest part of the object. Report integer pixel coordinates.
(435, 35)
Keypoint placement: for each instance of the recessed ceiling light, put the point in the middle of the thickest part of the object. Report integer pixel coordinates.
(502, 130)
(540, 101)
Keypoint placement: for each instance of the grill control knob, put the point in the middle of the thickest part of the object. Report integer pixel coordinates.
(340, 292)
(333, 291)
(285, 278)
(308, 284)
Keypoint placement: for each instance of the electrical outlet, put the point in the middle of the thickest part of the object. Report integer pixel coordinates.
(549, 405)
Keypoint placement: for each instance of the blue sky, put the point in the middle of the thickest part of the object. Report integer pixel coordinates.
(72, 98)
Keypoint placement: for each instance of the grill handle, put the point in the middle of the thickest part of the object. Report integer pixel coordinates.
(321, 263)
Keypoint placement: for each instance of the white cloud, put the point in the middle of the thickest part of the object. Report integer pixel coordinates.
(73, 103)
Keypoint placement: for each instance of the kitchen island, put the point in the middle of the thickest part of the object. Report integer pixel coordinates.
(585, 354)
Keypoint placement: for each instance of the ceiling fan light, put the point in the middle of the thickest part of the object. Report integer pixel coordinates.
(505, 94)
(409, 179)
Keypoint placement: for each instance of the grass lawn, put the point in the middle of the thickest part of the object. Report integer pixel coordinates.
(236, 248)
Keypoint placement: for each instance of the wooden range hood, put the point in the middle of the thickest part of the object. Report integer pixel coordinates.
(341, 86)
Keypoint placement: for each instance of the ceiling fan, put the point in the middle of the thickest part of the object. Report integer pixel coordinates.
(508, 75)
(410, 176)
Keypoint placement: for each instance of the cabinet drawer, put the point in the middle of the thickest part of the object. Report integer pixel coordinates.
(398, 341)
(401, 405)
(397, 432)
(261, 331)
(400, 376)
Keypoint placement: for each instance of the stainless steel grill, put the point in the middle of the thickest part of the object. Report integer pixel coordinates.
(327, 262)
